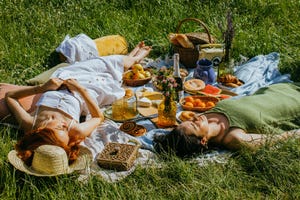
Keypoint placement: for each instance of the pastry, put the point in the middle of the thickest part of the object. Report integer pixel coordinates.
(194, 85)
(133, 129)
(230, 80)
(187, 116)
(128, 92)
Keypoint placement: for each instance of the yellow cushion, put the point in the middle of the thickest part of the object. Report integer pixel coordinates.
(111, 45)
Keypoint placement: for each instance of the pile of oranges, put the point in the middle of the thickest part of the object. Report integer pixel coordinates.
(192, 102)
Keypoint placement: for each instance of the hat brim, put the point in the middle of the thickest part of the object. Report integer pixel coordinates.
(83, 160)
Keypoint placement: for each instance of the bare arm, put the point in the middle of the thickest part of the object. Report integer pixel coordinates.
(86, 128)
(12, 99)
(237, 138)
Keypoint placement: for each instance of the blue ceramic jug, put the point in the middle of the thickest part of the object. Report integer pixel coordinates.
(205, 71)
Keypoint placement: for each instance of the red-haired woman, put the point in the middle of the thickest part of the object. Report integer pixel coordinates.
(72, 91)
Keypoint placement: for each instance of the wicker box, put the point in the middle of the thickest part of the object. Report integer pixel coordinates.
(118, 156)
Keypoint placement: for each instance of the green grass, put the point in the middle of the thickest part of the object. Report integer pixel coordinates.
(30, 32)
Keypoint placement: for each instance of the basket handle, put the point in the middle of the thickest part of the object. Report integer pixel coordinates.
(199, 22)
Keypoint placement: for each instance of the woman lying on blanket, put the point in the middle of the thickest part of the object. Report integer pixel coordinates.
(71, 91)
(235, 123)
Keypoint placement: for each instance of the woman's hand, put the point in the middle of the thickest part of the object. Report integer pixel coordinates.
(52, 84)
(73, 85)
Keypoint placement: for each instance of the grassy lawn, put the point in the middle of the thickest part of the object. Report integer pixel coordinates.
(30, 33)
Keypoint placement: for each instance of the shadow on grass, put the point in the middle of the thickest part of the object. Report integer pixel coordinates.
(293, 69)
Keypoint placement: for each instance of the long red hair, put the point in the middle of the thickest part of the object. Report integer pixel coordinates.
(42, 136)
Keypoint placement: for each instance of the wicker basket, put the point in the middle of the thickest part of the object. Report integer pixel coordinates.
(118, 156)
(135, 82)
(189, 57)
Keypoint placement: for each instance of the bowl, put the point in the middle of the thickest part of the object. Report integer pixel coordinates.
(135, 82)
(204, 99)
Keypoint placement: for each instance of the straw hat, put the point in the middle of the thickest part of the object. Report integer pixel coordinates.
(51, 160)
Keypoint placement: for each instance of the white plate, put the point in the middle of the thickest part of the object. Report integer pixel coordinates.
(178, 116)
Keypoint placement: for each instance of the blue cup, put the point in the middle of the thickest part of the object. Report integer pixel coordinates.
(205, 71)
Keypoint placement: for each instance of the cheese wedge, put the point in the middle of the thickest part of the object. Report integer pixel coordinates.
(156, 103)
(144, 102)
(153, 95)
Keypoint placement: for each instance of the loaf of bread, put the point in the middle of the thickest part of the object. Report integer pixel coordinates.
(180, 39)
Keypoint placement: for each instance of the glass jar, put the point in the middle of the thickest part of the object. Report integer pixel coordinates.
(125, 108)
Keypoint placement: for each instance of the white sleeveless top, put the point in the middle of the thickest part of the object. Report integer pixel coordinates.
(62, 100)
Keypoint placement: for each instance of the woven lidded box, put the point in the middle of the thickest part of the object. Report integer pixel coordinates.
(118, 156)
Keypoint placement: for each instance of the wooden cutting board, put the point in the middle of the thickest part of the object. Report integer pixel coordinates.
(150, 111)
(146, 111)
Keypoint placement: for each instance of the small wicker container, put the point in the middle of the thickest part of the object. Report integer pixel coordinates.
(137, 82)
(117, 156)
(202, 98)
(188, 57)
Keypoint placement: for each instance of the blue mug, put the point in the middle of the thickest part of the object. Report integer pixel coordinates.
(205, 71)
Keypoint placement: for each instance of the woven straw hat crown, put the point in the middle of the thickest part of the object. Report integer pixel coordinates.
(50, 160)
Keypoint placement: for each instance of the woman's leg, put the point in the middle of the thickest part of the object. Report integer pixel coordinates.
(137, 47)
(140, 54)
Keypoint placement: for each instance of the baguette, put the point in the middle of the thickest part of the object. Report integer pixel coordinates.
(184, 41)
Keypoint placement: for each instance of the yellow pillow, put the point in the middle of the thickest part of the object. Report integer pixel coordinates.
(111, 45)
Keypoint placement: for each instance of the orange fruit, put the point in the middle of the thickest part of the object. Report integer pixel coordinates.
(189, 99)
(201, 105)
(189, 104)
(210, 104)
(197, 102)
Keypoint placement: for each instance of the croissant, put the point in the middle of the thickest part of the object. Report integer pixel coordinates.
(228, 78)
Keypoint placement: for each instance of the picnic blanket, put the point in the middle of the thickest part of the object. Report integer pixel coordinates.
(258, 72)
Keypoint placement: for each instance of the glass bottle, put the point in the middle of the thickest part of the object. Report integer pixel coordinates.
(177, 77)
(226, 65)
